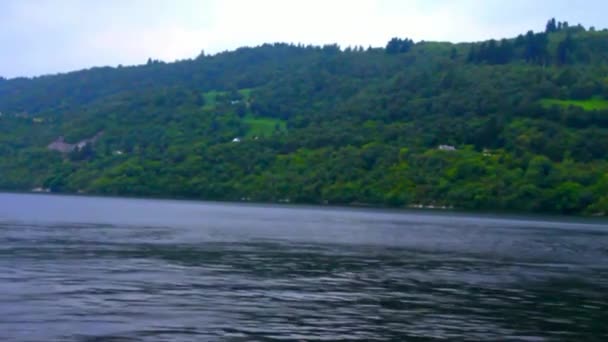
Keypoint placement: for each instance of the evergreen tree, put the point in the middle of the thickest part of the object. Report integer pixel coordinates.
(551, 26)
(397, 45)
(564, 49)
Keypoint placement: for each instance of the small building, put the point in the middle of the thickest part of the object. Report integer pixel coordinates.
(446, 148)
(236, 140)
(61, 146)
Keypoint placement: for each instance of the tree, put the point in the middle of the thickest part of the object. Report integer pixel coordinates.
(397, 45)
(492, 52)
(538, 170)
(551, 26)
(453, 54)
(564, 49)
(570, 197)
(535, 50)
(201, 55)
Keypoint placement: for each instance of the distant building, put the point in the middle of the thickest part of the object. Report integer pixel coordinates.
(446, 148)
(61, 146)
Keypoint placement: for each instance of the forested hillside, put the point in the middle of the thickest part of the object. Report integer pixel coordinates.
(515, 124)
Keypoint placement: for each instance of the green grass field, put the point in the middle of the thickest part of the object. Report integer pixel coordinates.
(258, 126)
(246, 92)
(210, 97)
(263, 127)
(590, 104)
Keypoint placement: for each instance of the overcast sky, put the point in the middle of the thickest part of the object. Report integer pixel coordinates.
(49, 36)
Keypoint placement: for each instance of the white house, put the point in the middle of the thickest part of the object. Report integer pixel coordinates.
(446, 148)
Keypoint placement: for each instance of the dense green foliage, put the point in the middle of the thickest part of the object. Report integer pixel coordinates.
(527, 117)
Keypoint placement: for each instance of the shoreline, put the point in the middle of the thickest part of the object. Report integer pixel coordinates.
(412, 209)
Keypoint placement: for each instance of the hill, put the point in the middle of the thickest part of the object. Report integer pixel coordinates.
(516, 124)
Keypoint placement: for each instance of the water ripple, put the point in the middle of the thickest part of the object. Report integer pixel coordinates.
(112, 282)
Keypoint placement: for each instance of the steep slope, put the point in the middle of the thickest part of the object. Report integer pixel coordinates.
(522, 125)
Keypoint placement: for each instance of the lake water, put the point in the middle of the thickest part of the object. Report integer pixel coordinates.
(104, 269)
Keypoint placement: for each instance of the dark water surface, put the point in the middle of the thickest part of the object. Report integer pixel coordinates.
(101, 269)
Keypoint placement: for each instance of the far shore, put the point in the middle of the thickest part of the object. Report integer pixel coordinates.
(411, 209)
